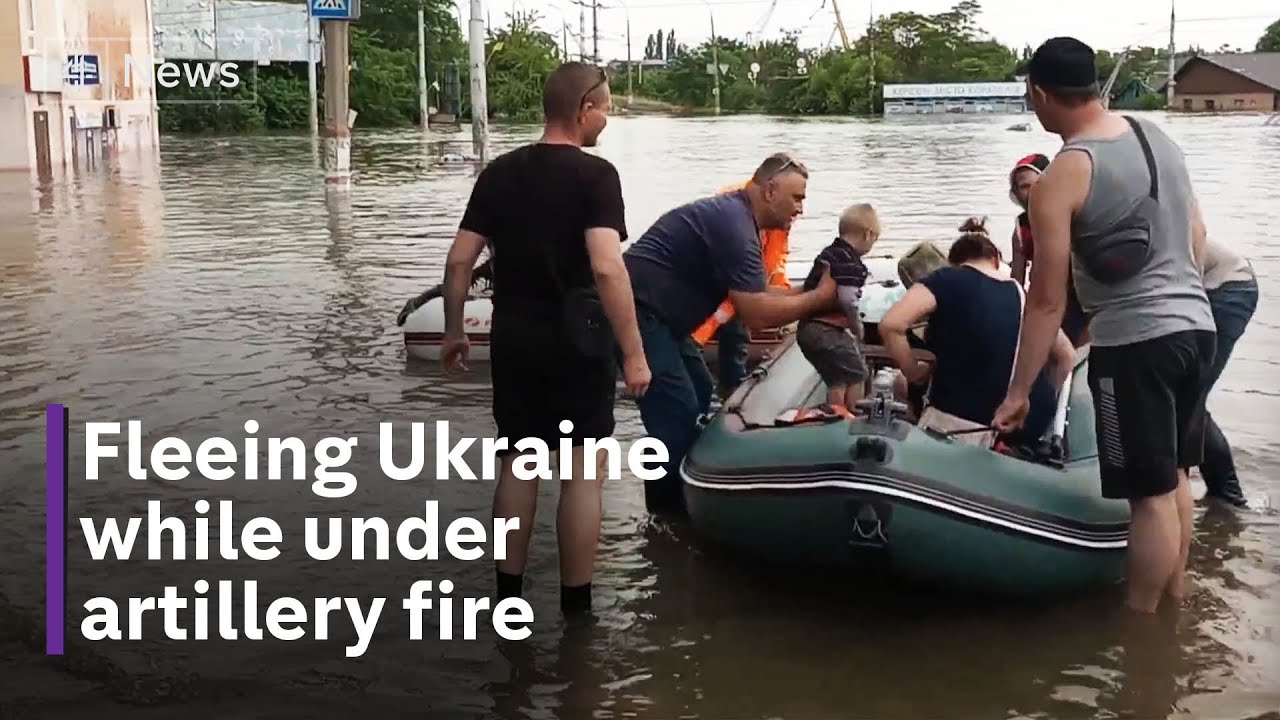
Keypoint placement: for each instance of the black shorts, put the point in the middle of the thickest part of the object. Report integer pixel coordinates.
(538, 381)
(1149, 406)
(833, 352)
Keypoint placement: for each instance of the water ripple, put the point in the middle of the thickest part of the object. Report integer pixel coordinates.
(225, 285)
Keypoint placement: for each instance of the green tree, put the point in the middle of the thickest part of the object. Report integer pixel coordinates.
(908, 47)
(1152, 101)
(520, 58)
(384, 74)
(1140, 63)
(384, 82)
(898, 48)
(396, 22)
(903, 47)
(268, 98)
(1270, 40)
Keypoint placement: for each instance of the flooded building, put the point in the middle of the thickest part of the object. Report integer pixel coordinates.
(75, 82)
(990, 97)
(1234, 82)
(1132, 95)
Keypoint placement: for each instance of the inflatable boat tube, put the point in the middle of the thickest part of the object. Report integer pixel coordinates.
(423, 329)
(881, 494)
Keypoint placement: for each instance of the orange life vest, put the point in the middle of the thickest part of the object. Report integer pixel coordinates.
(773, 250)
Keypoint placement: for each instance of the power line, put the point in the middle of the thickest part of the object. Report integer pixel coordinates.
(1223, 18)
(697, 4)
(807, 26)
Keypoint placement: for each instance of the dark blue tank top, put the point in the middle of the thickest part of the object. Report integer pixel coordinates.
(974, 335)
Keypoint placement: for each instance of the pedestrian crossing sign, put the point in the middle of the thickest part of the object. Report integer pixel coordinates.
(334, 9)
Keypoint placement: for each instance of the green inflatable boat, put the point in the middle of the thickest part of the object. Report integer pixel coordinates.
(878, 493)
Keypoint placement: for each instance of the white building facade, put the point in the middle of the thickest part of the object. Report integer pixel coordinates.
(76, 82)
(992, 97)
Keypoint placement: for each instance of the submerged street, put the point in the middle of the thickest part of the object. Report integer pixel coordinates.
(223, 285)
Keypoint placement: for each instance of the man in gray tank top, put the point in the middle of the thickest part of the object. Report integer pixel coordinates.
(1115, 209)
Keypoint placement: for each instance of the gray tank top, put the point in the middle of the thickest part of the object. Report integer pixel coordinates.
(1167, 294)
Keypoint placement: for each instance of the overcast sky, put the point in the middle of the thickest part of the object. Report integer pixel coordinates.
(1104, 24)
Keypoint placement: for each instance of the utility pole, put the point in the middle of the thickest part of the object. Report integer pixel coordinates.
(312, 81)
(1171, 83)
(563, 49)
(422, 68)
(217, 99)
(582, 33)
(595, 33)
(715, 57)
(479, 88)
(871, 79)
(631, 96)
(337, 76)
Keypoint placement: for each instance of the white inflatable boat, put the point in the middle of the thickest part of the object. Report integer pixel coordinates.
(423, 329)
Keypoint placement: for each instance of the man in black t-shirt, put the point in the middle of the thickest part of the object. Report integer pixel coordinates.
(554, 217)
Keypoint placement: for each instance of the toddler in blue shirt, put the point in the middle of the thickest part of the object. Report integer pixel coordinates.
(831, 341)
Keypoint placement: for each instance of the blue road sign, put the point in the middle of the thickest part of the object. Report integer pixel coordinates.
(334, 9)
(82, 70)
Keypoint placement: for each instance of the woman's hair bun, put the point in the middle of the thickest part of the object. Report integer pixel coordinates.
(975, 225)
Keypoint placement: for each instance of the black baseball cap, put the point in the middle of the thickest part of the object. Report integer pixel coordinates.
(1062, 63)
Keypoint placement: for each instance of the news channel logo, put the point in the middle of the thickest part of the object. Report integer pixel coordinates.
(206, 77)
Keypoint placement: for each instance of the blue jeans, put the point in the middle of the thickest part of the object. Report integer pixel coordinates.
(733, 350)
(678, 395)
(1233, 305)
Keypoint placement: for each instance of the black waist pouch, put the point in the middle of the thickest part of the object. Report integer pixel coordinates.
(583, 321)
(586, 326)
(1123, 251)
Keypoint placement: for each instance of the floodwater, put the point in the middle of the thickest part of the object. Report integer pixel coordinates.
(220, 285)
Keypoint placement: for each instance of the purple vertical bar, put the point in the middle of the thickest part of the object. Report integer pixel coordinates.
(55, 579)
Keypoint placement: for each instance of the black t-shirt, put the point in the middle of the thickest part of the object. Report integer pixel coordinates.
(534, 205)
(974, 335)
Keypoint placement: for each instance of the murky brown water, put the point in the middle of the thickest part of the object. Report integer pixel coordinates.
(222, 286)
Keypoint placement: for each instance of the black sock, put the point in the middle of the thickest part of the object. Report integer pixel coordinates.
(575, 600)
(509, 585)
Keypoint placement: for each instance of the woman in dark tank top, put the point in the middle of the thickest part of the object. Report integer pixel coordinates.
(974, 316)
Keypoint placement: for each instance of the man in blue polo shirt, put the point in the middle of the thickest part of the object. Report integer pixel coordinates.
(682, 268)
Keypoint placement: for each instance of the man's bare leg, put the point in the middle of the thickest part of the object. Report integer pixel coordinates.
(1153, 550)
(514, 498)
(1178, 587)
(578, 521)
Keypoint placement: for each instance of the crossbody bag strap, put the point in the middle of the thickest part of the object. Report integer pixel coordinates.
(1017, 347)
(1154, 191)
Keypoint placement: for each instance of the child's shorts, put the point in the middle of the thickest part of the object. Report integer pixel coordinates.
(833, 351)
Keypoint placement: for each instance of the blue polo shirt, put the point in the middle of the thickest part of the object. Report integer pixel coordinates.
(684, 266)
